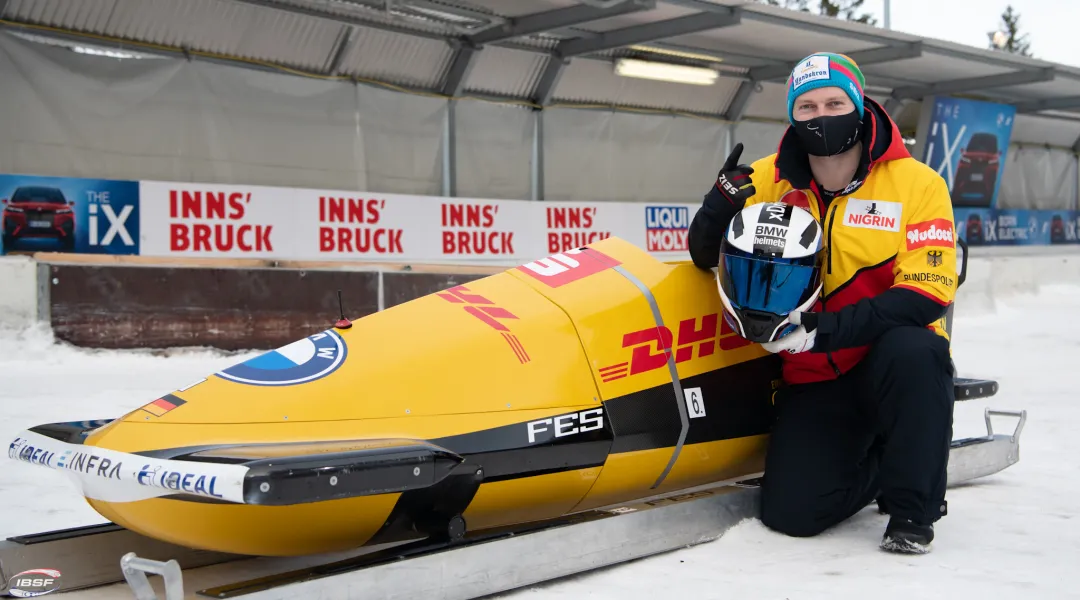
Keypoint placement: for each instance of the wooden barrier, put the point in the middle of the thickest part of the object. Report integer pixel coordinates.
(259, 263)
(136, 302)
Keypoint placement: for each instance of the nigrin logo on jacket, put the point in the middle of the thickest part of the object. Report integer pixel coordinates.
(873, 214)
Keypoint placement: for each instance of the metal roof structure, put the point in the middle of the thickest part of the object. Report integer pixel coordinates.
(560, 52)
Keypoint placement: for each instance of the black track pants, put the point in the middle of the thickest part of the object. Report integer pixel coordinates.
(882, 428)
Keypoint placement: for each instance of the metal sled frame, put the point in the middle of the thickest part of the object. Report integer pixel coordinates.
(480, 564)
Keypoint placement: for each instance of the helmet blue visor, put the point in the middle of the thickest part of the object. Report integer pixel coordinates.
(773, 286)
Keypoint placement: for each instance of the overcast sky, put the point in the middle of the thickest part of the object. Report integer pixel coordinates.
(1052, 25)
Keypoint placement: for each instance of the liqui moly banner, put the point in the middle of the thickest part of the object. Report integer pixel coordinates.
(235, 221)
(667, 227)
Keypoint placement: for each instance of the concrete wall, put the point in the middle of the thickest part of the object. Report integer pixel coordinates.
(996, 274)
(18, 292)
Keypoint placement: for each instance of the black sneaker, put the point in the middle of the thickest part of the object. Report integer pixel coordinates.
(905, 536)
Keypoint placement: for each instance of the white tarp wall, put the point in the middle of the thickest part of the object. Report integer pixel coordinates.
(74, 115)
(595, 156)
(759, 139)
(1038, 178)
(494, 145)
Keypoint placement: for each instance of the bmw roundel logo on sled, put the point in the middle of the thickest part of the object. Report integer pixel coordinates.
(311, 358)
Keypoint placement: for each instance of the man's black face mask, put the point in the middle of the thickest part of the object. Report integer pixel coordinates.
(831, 135)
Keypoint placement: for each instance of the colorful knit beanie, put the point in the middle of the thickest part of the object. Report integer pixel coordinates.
(825, 69)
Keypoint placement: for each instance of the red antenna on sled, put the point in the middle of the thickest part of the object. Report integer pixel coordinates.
(342, 323)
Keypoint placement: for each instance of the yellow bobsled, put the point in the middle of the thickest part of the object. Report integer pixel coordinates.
(579, 381)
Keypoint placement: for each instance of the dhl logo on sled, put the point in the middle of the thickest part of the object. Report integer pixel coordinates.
(579, 381)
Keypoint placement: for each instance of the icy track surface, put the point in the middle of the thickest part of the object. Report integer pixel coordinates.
(1011, 535)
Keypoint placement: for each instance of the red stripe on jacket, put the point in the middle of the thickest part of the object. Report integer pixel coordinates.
(808, 367)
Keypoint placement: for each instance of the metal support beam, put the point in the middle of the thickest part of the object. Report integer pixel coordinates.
(893, 107)
(601, 3)
(449, 143)
(537, 170)
(772, 72)
(862, 57)
(701, 5)
(137, 47)
(556, 19)
(885, 54)
(1064, 103)
(337, 18)
(811, 23)
(850, 31)
(459, 69)
(1076, 146)
(824, 26)
(887, 82)
(648, 32)
(986, 57)
(345, 43)
(737, 108)
(553, 72)
(733, 59)
(975, 84)
(424, 7)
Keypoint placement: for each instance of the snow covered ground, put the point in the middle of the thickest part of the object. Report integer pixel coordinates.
(44, 382)
(1014, 534)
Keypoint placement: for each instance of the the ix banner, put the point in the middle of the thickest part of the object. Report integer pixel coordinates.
(966, 141)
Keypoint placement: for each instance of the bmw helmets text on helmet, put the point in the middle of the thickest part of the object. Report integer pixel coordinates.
(770, 265)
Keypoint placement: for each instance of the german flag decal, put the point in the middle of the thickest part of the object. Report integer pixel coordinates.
(159, 407)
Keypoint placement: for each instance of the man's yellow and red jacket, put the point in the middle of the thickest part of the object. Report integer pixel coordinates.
(889, 236)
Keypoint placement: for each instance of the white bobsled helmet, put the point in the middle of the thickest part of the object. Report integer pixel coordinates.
(771, 262)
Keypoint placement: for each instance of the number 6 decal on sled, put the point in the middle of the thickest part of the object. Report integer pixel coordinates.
(695, 402)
